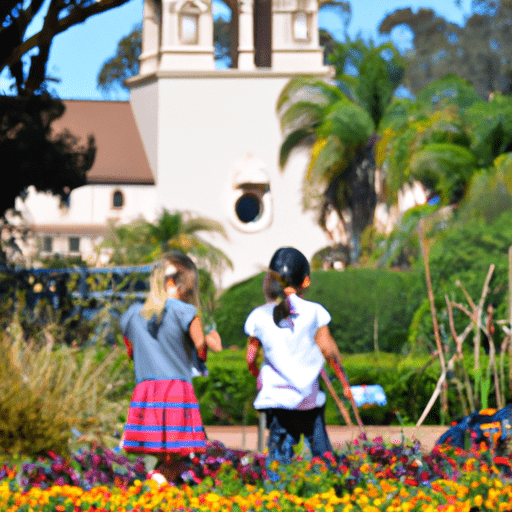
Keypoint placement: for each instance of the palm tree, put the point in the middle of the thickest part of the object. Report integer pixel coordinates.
(338, 121)
(443, 137)
(142, 241)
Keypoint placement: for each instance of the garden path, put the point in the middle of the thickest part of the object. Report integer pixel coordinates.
(246, 438)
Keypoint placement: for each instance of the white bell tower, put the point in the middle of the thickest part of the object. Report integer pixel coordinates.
(212, 136)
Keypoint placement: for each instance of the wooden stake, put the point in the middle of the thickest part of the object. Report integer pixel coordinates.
(339, 403)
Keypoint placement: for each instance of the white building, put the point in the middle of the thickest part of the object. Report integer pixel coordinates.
(210, 137)
(120, 184)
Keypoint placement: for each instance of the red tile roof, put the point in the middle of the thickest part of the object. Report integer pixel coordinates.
(120, 156)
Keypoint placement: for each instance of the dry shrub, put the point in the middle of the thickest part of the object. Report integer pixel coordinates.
(46, 392)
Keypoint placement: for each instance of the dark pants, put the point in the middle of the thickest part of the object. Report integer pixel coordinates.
(286, 427)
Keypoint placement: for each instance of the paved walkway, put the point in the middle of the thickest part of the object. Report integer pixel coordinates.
(246, 438)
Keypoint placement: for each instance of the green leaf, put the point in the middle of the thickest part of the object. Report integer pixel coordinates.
(292, 141)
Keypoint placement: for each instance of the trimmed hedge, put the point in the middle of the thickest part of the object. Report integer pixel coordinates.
(226, 395)
(357, 299)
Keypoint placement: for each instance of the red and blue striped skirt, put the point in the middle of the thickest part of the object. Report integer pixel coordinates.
(164, 417)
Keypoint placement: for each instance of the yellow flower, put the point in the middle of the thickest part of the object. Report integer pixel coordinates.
(478, 500)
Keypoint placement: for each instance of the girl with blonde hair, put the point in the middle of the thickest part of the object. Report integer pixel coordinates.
(162, 336)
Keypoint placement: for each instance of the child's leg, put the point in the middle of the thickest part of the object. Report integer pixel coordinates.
(316, 433)
(171, 466)
(282, 438)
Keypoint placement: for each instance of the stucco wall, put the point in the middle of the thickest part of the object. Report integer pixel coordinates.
(206, 124)
(89, 205)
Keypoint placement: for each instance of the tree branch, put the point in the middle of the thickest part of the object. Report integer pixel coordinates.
(78, 15)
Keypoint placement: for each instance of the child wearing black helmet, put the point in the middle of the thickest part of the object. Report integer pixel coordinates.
(296, 341)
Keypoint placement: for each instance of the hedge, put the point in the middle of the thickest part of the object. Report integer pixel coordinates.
(360, 301)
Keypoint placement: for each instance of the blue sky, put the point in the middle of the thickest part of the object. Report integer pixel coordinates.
(78, 54)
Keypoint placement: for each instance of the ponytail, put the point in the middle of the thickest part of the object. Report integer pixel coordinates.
(273, 289)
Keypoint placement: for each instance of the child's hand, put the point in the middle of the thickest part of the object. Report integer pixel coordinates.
(213, 341)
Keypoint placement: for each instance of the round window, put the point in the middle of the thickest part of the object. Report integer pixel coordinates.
(248, 208)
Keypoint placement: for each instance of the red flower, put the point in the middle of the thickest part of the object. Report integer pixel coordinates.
(424, 476)
(411, 481)
(502, 460)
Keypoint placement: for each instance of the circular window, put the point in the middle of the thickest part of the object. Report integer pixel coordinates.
(248, 208)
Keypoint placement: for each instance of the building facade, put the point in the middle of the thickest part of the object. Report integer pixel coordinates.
(212, 136)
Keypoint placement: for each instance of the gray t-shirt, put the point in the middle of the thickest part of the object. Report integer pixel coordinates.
(168, 355)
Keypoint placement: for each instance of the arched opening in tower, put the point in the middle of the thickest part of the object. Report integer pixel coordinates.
(226, 33)
(225, 44)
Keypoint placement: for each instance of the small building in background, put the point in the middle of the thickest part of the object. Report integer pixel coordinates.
(120, 185)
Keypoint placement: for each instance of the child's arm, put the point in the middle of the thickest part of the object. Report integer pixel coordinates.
(252, 354)
(129, 347)
(202, 343)
(329, 349)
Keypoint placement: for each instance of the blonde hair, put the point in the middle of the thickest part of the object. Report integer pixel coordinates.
(182, 270)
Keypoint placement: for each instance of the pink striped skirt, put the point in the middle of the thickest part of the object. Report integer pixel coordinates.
(164, 418)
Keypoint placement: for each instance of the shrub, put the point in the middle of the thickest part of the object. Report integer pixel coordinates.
(362, 302)
(45, 393)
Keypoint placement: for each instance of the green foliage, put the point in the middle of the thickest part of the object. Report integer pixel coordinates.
(34, 156)
(443, 138)
(472, 50)
(45, 392)
(465, 253)
(235, 304)
(227, 393)
(338, 122)
(354, 298)
(124, 64)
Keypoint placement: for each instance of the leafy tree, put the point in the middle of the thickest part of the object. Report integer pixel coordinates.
(338, 122)
(142, 241)
(32, 155)
(479, 51)
(28, 68)
(443, 137)
(124, 64)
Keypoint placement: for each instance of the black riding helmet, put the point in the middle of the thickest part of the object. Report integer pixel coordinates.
(291, 265)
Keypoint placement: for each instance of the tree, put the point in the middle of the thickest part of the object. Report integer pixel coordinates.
(443, 137)
(338, 122)
(479, 51)
(142, 241)
(32, 155)
(29, 72)
(124, 64)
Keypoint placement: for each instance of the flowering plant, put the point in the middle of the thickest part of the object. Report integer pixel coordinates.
(370, 476)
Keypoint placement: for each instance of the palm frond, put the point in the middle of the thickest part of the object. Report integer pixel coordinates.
(325, 160)
(503, 165)
(303, 114)
(445, 167)
(310, 89)
(292, 141)
(348, 121)
(195, 224)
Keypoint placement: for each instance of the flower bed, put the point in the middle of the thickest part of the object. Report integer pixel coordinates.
(365, 476)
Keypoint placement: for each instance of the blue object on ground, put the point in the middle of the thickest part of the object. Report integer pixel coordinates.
(368, 396)
(486, 425)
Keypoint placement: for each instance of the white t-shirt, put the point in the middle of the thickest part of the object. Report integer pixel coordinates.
(293, 361)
